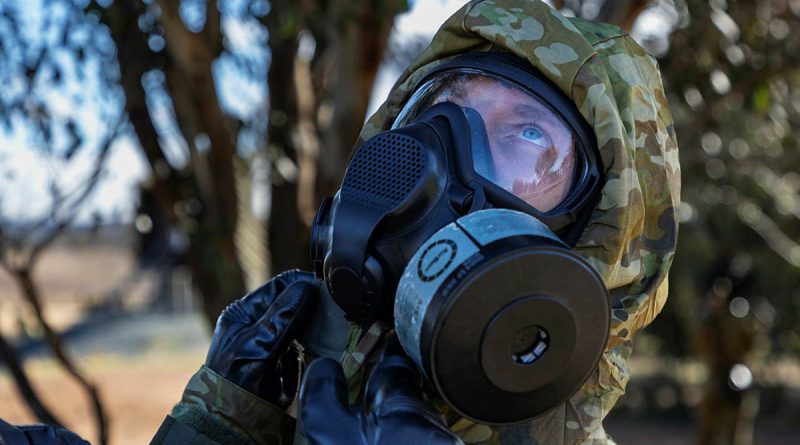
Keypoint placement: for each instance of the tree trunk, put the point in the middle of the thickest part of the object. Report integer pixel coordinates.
(200, 199)
(315, 128)
(217, 275)
(287, 235)
(358, 35)
(213, 256)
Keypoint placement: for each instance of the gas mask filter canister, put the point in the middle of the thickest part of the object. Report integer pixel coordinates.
(503, 318)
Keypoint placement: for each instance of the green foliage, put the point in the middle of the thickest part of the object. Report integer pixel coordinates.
(761, 99)
(734, 89)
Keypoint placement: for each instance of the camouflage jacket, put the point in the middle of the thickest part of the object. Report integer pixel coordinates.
(630, 238)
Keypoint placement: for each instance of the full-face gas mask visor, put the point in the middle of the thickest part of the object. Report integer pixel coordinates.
(532, 146)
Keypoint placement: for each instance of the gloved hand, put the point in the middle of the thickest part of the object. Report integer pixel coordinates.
(393, 410)
(37, 435)
(250, 376)
(251, 342)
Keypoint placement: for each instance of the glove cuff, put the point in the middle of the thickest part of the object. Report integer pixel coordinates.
(241, 411)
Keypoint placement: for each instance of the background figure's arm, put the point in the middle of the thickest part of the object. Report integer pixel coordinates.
(37, 435)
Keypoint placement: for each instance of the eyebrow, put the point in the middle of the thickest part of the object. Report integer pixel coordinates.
(537, 113)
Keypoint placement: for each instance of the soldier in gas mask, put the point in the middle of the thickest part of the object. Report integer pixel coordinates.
(505, 226)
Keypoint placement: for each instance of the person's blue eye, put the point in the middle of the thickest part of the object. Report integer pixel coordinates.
(534, 135)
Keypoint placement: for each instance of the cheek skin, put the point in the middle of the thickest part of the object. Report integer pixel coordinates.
(545, 162)
(547, 192)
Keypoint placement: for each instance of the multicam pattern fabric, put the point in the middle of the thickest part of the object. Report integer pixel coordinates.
(361, 349)
(631, 237)
(241, 412)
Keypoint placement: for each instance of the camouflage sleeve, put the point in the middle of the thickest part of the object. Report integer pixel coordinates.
(226, 414)
(360, 354)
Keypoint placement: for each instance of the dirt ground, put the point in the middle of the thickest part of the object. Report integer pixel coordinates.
(670, 432)
(140, 364)
(70, 279)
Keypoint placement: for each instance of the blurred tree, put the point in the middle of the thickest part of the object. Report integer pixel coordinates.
(727, 339)
(163, 58)
(325, 55)
(39, 108)
(733, 72)
(735, 95)
(732, 75)
(323, 58)
(167, 56)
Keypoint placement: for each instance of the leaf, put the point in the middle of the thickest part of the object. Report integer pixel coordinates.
(55, 191)
(46, 132)
(76, 140)
(761, 99)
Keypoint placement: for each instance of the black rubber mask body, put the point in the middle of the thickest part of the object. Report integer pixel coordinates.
(400, 187)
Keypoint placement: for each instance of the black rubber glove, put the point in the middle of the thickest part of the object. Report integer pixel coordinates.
(37, 435)
(251, 343)
(393, 411)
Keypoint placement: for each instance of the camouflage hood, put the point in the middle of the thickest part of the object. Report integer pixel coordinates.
(631, 236)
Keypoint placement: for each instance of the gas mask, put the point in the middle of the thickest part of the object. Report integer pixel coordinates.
(457, 224)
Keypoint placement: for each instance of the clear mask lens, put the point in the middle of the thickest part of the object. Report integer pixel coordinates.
(531, 151)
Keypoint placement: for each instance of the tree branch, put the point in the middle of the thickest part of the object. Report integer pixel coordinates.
(72, 211)
(22, 275)
(213, 28)
(31, 294)
(23, 384)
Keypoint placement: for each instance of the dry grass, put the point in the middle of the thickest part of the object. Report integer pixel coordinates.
(138, 391)
(70, 278)
(137, 394)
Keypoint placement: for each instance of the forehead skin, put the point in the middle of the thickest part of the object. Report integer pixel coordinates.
(496, 100)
